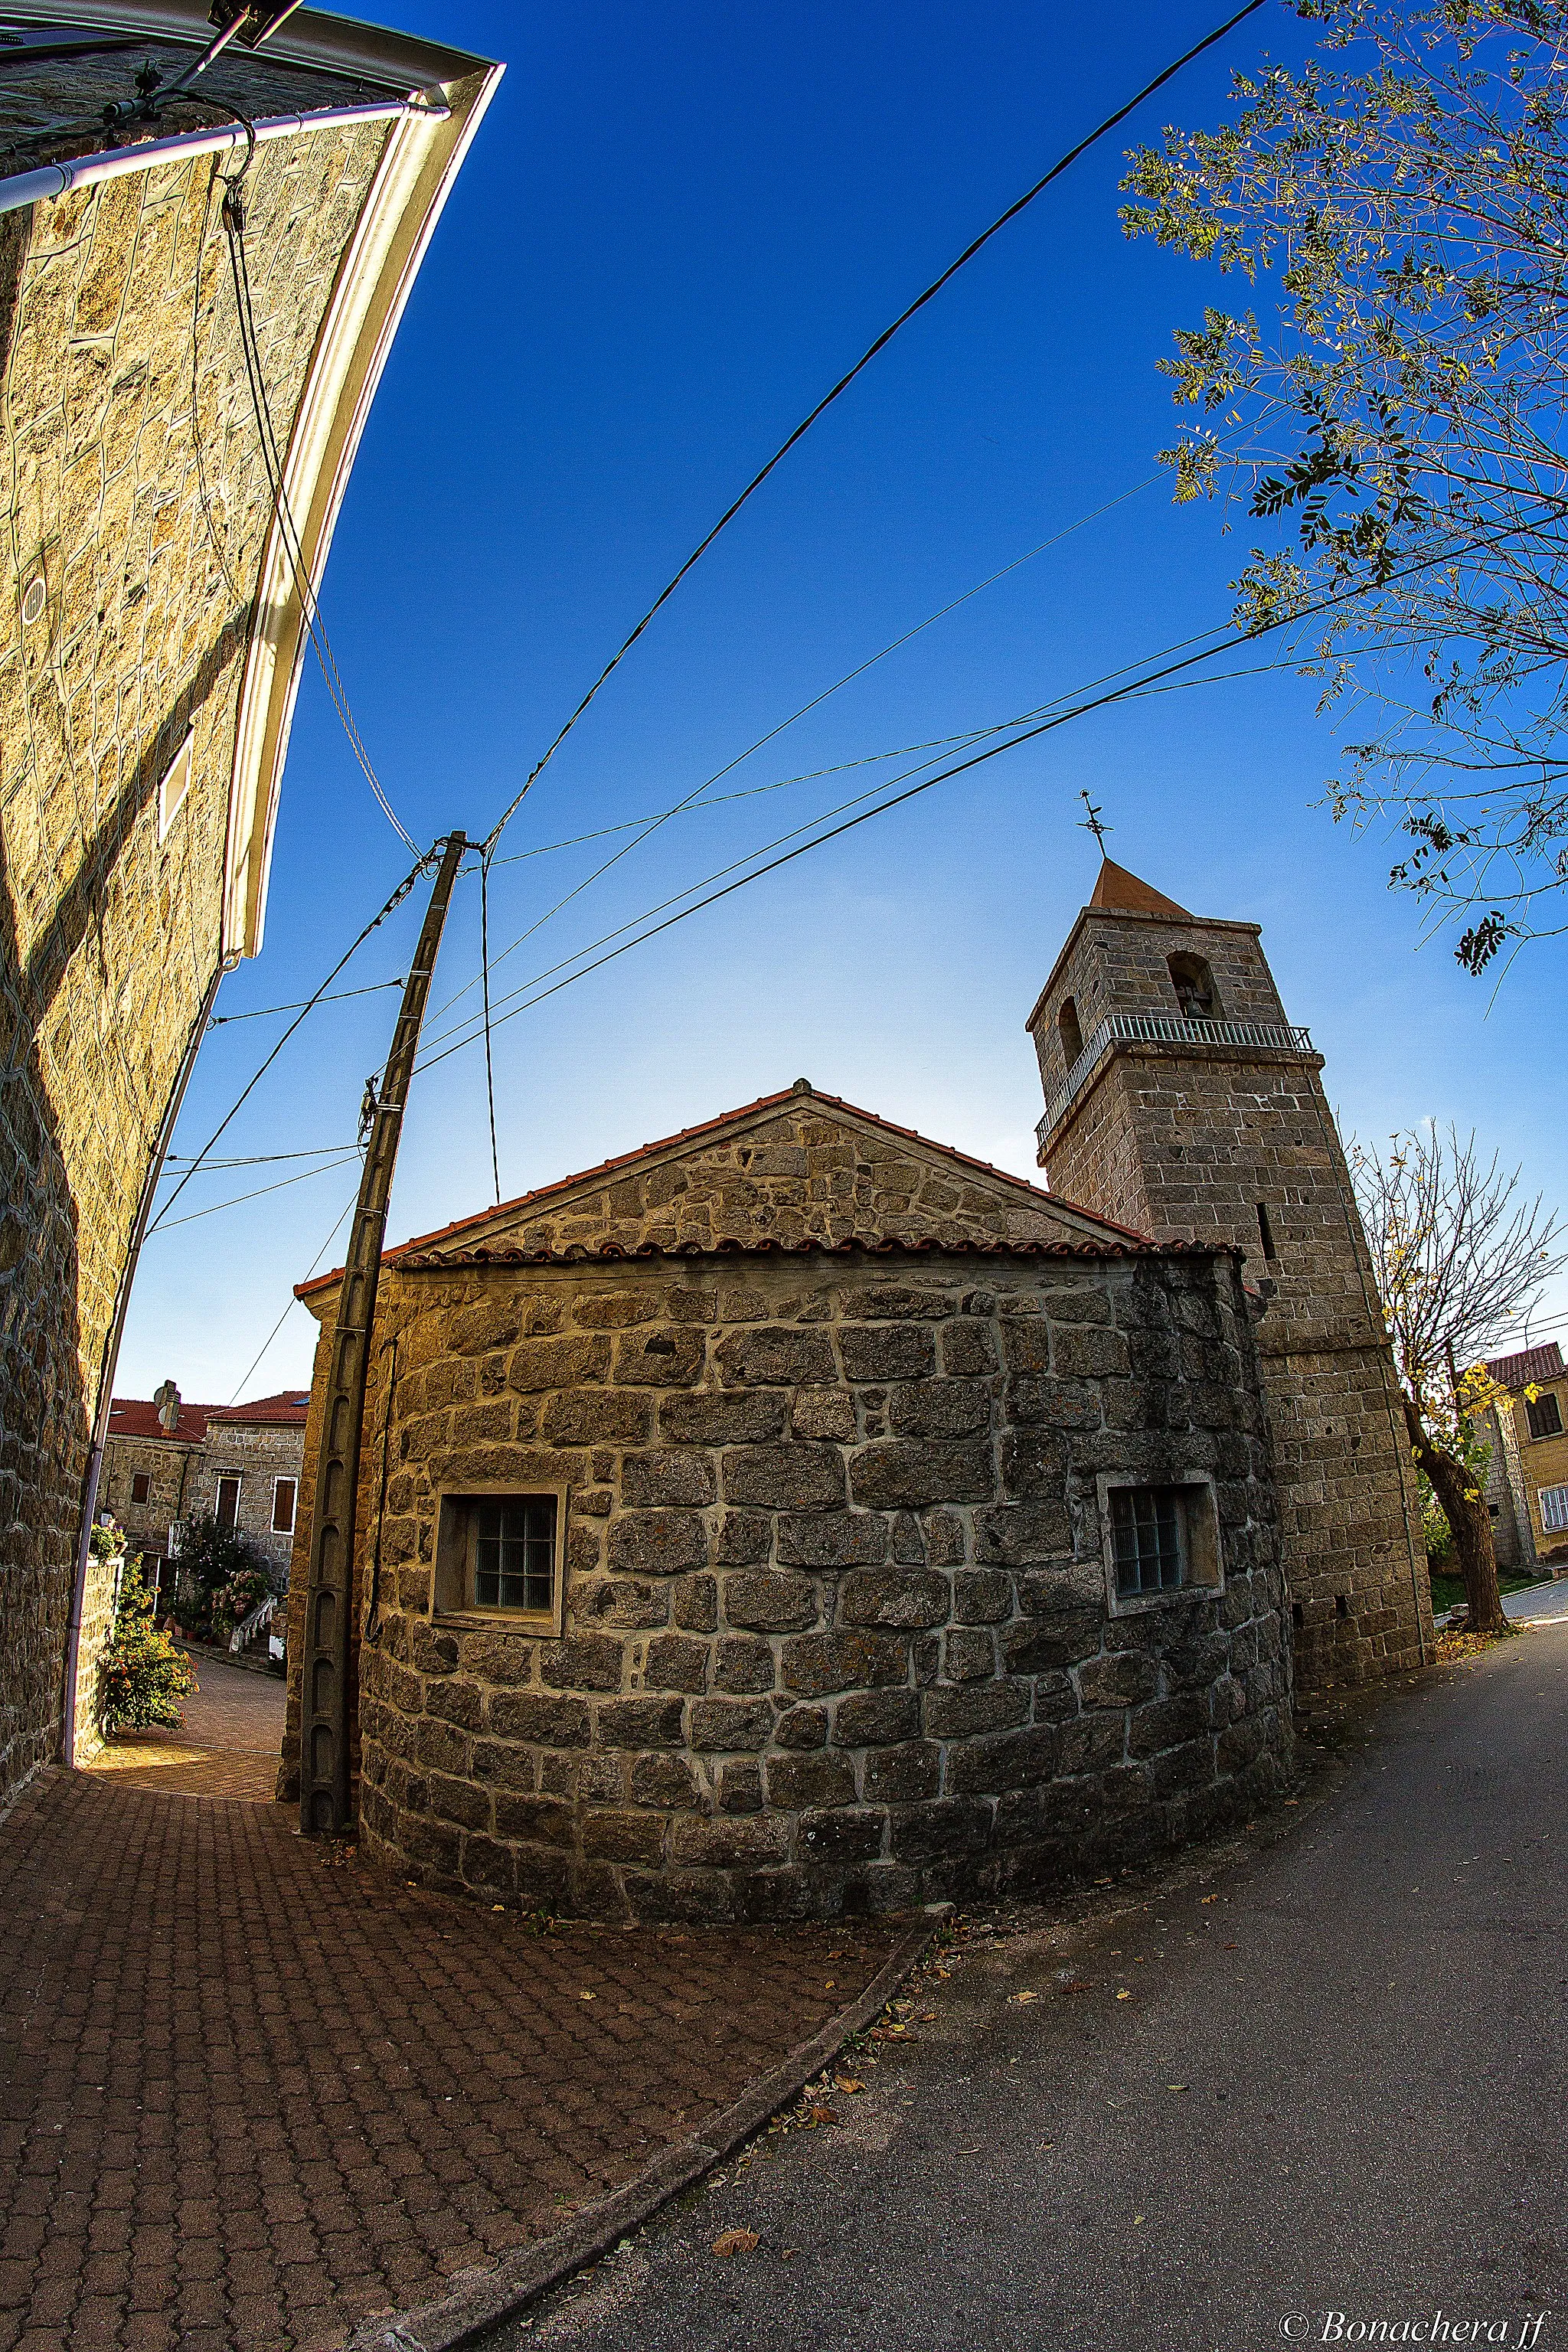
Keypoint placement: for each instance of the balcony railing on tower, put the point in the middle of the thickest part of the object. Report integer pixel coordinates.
(1164, 1029)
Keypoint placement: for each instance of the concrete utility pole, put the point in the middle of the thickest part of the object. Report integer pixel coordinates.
(325, 1807)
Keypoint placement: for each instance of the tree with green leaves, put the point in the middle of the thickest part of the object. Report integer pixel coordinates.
(144, 1677)
(1399, 206)
(1461, 1259)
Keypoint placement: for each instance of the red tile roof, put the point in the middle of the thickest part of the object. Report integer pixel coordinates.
(422, 1241)
(138, 1417)
(281, 1411)
(1531, 1364)
(872, 1246)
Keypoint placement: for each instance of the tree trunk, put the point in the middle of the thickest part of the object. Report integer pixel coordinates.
(1465, 1508)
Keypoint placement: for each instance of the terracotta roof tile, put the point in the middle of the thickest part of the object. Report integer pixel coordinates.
(138, 1417)
(606, 1168)
(274, 1411)
(1542, 1363)
(872, 1246)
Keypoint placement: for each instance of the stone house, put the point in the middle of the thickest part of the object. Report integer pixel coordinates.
(798, 1515)
(1528, 1476)
(152, 630)
(167, 1461)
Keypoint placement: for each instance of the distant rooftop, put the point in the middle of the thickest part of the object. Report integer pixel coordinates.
(1531, 1364)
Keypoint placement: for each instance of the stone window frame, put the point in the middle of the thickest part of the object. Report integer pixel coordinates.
(176, 784)
(449, 1568)
(1201, 1542)
(285, 1478)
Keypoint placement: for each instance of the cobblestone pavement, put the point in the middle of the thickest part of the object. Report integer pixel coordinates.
(252, 2093)
(227, 1747)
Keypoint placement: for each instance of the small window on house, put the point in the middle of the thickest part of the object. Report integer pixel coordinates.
(1150, 1539)
(1553, 1501)
(1159, 1540)
(1071, 1035)
(1543, 1413)
(283, 1491)
(174, 786)
(225, 1510)
(142, 1486)
(1195, 992)
(502, 1553)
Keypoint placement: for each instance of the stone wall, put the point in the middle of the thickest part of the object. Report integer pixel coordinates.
(802, 1167)
(1187, 1142)
(167, 1464)
(836, 1631)
(124, 618)
(260, 1453)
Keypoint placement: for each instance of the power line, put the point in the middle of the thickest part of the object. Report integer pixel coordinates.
(263, 1158)
(1059, 719)
(293, 1301)
(262, 1012)
(374, 923)
(1062, 164)
(239, 1198)
(293, 548)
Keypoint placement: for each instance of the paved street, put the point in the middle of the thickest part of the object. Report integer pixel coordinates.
(252, 2094)
(1335, 2084)
(227, 1746)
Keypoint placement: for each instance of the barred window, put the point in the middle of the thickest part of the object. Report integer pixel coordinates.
(1148, 1528)
(514, 1551)
(1544, 1416)
(500, 1552)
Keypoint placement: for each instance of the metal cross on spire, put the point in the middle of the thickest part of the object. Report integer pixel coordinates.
(1092, 823)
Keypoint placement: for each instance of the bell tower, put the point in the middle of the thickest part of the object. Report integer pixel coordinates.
(1181, 1101)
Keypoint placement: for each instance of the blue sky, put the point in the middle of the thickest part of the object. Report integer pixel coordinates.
(676, 228)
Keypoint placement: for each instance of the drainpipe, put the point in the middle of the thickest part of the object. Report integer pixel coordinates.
(105, 1397)
(51, 180)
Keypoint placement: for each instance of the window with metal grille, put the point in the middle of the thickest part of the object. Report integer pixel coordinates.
(1553, 1501)
(1544, 1416)
(141, 1485)
(513, 1539)
(226, 1509)
(1149, 1534)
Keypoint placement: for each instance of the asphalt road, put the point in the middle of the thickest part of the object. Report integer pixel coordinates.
(1336, 2087)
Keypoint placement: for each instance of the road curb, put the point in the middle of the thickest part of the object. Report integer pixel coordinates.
(478, 2299)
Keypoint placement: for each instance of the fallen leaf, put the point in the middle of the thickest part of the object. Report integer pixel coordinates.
(888, 2033)
(734, 2242)
(1025, 1995)
(831, 1985)
(498, 1906)
(925, 2017)
(821, 2116)
(1230, 1948)
(1137, 2218)
(847, 2084)
(1175, 2086)
(587, 1996)
(1208, 1899)
(1123, 1994)
(1077, 1988)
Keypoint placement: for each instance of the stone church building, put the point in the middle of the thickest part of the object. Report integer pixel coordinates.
(796, 1516)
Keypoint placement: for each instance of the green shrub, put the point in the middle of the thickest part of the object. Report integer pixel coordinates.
(144, 1676)
(222, 1576)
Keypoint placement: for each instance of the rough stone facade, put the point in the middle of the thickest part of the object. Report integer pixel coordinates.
(129, 621)
(836, 1630)
(259, 1443)
(1213, 1139)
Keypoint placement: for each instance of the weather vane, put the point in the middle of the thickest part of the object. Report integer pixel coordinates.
(1093, 824)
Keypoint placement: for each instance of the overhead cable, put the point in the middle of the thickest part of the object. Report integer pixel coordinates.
(1061, 719)
(1062, 164)
(398, 896)
(293, 547)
